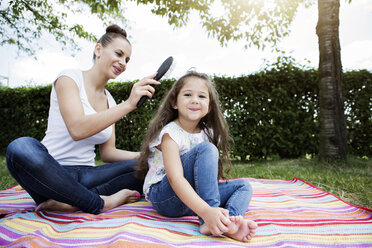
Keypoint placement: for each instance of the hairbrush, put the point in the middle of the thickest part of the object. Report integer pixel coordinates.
(165, 68)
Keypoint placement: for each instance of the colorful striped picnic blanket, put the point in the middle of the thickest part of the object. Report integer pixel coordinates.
(288, 213)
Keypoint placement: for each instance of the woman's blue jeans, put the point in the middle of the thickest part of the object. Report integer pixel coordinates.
(200, 168)
(44, 178)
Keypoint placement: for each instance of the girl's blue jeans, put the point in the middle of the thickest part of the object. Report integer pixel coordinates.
(200, 168)
(44, 178)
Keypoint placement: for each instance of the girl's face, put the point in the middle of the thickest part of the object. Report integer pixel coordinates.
(114, 57)
(193, 100)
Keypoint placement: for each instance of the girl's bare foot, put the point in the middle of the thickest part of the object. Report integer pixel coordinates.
(119, 198)
(241, 229)
(204, 229)
(53, 205)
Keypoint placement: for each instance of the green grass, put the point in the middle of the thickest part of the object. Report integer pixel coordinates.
(351, 182)
(6, 180)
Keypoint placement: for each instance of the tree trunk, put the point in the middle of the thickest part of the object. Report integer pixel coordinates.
(331, 106)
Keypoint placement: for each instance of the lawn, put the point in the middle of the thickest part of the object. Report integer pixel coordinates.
(351, 182)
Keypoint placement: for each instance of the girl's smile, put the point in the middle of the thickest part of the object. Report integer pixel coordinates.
(194, 109)
(192, 102)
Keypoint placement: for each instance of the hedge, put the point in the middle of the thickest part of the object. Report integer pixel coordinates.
(270, 113)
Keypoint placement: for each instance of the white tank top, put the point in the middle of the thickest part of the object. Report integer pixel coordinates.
(58, 140)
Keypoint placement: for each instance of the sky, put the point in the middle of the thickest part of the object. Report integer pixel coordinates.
(153, 40)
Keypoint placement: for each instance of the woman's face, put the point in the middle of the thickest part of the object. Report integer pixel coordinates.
(114, 57)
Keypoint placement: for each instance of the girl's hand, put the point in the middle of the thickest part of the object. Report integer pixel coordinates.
(216, 220)
(142, 88)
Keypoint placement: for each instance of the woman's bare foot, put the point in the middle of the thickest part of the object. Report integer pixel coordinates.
(53, 205)
(241, 229)
(119, 198)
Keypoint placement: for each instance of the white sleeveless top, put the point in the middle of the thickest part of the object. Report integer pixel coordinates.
(58, 140)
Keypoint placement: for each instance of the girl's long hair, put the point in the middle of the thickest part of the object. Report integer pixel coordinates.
(213, 124)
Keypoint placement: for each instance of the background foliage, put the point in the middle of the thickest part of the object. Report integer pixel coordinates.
(24, 23)
(270, 113)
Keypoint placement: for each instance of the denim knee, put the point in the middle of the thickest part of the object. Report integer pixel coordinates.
(240, 199)
(209, 151)
(22, 150)
(205, 152)
(18, 145)
(245, 185)
(208, 147)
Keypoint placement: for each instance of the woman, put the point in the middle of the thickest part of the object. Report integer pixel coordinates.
(59, 171)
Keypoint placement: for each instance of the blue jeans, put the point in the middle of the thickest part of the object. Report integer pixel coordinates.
(200, 168)
(44, 178)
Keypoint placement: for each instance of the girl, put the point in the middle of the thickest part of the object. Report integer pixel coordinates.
(59, 171)
(181, 158)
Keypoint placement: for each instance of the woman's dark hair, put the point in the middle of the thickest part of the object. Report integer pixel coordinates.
(112, 32)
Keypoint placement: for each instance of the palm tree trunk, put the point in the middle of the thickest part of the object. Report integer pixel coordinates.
(331, 106)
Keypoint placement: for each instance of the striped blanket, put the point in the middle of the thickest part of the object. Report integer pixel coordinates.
(288, 213)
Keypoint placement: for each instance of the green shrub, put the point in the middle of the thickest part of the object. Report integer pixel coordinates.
(272, 113)
(358, 108)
